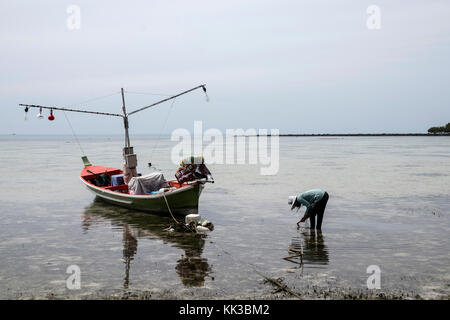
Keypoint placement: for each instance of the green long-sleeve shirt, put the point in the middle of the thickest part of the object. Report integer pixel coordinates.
(308, 198)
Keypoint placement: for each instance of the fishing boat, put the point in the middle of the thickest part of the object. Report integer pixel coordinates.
(180, 197)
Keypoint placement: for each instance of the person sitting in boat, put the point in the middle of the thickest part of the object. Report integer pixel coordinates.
(315, 201)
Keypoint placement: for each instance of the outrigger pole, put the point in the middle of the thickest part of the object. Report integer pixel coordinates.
(129, 156)
(72, 110)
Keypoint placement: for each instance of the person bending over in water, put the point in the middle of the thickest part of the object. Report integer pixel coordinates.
(315, 201)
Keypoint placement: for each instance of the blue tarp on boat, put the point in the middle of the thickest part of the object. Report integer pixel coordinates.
(117, 180)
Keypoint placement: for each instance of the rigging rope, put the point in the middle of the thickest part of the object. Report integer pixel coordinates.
(74, 134)
(93, 99)
(70, 124)
(150, 93)
(162, 129)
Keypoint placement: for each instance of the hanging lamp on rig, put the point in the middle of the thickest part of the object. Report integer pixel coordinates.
(51, 117)
(206, 95)
(26, 113)
(40, 116)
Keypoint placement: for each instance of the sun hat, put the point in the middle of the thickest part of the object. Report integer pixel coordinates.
(292, 201)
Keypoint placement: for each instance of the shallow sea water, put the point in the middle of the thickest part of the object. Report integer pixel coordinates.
(389, 206)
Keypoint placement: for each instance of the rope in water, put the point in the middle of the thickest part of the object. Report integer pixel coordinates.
(185, 227)
(167, 204)
(271, 280)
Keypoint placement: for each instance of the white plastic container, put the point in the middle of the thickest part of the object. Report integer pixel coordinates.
(192, 218)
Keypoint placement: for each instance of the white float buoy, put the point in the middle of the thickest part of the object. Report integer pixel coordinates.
(202, 229)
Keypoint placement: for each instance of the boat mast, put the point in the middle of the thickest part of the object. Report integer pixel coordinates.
(125, 120)
(129, 156)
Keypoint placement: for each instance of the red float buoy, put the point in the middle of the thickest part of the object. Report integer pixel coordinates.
(51, 117)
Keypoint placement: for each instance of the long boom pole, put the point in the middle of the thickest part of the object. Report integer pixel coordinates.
(167, 99)
(125, 114)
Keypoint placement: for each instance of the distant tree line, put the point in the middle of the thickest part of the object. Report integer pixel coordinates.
(444, 129)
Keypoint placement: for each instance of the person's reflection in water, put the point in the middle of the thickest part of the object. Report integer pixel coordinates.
(192, 268)
(315, 251)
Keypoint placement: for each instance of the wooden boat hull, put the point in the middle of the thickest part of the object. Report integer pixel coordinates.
(181, 201)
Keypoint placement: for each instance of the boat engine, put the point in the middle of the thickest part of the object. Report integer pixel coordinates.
(193, 168)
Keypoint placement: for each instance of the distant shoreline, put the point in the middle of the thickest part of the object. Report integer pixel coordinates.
(358, 135)
(280, 135)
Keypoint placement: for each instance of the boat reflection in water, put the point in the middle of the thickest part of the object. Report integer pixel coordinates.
(315, 252)
(191, 267)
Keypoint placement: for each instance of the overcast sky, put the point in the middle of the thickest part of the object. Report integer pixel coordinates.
(296, 66)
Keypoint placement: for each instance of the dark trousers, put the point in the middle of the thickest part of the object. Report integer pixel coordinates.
(319, 209)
